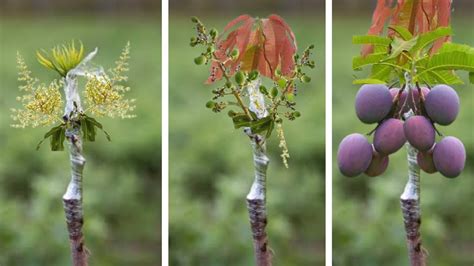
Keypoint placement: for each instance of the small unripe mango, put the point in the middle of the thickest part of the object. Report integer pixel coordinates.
(290, 97)
(253, 75)
(234, 54)
(240, 77)
(200, 60)
(281, 83)
(306, 79)
(274, 92)
(210, 104)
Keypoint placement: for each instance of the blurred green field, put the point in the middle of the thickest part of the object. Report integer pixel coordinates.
(367, 223)
(211, 166)
(122, 183)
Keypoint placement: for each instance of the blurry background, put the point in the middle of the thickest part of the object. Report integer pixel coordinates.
(367, 221)
(211, 167)
(122, 183)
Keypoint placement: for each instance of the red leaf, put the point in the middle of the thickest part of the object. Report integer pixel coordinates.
(238, 38)
(426, 15)
(379, 18)
(281, 46)
(264, 45)
(444, 14)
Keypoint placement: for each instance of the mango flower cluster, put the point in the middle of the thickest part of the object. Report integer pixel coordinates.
(104, 94)
(42, 104)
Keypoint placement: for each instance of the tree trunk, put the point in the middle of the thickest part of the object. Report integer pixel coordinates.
(72, 199)
(410, 205)
(256, 201)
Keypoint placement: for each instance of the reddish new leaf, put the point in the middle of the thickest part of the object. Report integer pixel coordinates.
(381, 14)
(418, 16)
(444, 14)
(264, 45)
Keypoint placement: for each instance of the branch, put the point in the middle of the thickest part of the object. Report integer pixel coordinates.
(256, 201)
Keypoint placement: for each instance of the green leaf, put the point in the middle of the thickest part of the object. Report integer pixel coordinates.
(440, 77)
(260, 125)
(99, 125)
(399, 45)
(471, 77)
(57, 139)
(270, 129)
(382, 72)
(368, 81)
(451, 47)
(257, 126)
(88, 127)
(455, 60)
(57, 135)
(371, 39)
(430, 37)
(240, 120)
(402, 31)
(361, 61)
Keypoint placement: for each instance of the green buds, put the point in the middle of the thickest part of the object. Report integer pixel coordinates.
(253, 75)
(240, 77)
(297, 114)
(231, 113)
(213, 32)
(200, 60)
(234, 54)
(228, 84)
(193, 41)
(210, 104)
(290, 97)
(274, 92)
(281, 83)
(263, 90)
(194, 19)
(305, 79)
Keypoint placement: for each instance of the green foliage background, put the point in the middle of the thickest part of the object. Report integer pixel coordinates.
(211, 168)
(367, 222)
(122, 184)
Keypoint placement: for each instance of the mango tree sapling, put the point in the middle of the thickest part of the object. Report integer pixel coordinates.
(417, 54)
(104, 95)
(249, 50)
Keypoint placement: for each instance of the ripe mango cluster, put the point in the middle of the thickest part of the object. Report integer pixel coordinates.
(376, 103)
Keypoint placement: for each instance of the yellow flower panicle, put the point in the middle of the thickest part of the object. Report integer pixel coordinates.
(104, 97)
(284, 148)
(121, 65)
(24, 74)
(41, 104)
(62, 58)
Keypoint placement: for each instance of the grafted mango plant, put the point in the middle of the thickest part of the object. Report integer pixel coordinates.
(407, 93)
(249, 53)
(73, 120)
